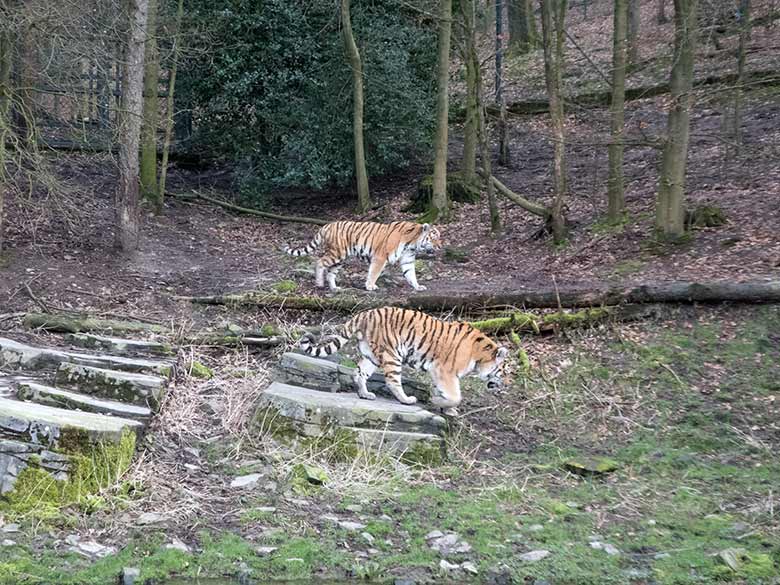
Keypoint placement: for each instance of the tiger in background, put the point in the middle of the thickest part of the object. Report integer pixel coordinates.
(390, 337)
(380, 243)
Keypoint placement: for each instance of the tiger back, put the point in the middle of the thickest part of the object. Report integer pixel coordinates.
(379, 243)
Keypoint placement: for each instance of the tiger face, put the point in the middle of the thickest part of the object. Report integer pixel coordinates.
(490, 366)
(429, 240)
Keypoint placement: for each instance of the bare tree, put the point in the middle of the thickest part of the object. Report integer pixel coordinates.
(5, 101)
(744, 37)
(615, 195)
(553, 33)
(633, 32)
(670, 215)
(127, 194)
(353, 55)
(660, 12)
(440, 204)
(471, 59)
(151, 90)
(169, 104)
(487, 167)
(503, 143)
(523, 36)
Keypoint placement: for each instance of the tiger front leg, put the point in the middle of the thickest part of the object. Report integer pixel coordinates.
(410, 274)
(446, 394)
(377, 265)
(364, 370)
(328, 267)
(391, 365)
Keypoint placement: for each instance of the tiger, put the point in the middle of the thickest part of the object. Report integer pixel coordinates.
(389, 337)
(379, 243)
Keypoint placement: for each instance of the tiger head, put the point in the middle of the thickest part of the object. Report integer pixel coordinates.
(489, 364)
(429, 240)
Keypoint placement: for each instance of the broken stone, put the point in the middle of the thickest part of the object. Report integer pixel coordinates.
(57, 397)
(591, 465)
(535, 528)
(351, 526)
(469, 567)
(177, 544)
(118, 345)
(149, 518)
(434, 534)
(450, 544)
(244, 481)
(135, 388)
(445, 565)
(15, 456)
(534, 555)
(91, 548)
(264, 551)
(129, 576)
(367, 537)
(8, 542)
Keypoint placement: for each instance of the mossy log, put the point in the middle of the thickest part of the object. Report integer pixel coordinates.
(575, 297)
(604, 97)
(77, 323)
(263, 214)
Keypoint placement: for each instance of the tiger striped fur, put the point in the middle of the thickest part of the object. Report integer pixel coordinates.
(390, 337)
(380, 243)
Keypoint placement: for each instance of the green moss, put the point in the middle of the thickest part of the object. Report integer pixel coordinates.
(91, 469)
(576, 318)
(704, 216)
(426, 454)
(198, 370)
(284, 286)
(456, 255)
(269, 330)
(516, 320)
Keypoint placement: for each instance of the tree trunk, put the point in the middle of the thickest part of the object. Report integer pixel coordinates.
(495, 218)
(522, 26)
(440, 204)
(471, 59)
(615, 195)
(474, 302)
(148, 172)
(670, 216)
(169, 104)
(553, 15)
(353, 56)
(660, 14)
(5, 101)
(127, 212)
(503, 143)
(633, 32)
(744, 37)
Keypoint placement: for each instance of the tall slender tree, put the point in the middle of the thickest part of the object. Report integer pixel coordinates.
(151, 110)
(523, 36)
(127, 193)
(471, 60)
(744, 37)
(670, 215)
(353, 56)
(169, 101)
(440, 203)
(487, 166)
(503, 142)
(5, 102)
(553, 32)
(633, 32)
(615, 196)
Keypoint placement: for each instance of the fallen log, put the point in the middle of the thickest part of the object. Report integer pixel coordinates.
(574, 297)
(263, 214)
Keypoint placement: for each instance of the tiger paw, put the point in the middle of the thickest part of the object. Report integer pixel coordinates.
(371, 287)
(452, 411)
(408, 400)
(368, 396)
(421, 287)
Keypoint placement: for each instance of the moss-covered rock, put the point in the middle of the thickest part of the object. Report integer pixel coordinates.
(704, 216)
(458, 189)
(591, 465)
(198, 370)
(284, 286)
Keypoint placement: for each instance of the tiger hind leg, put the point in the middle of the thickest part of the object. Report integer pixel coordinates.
(364, 370)
(446, 393)
(328, 267)
(392, 368)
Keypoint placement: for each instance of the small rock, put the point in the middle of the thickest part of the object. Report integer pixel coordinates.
(402, 581)
(373, 551)
(72, 539)
(591, 465)
(739, 528)
(312, 474)
(595, 538)
(445, 565)
(191, 467)
(733, 558)
(198, 370)
(8, 542)
(661, 555)
(265, 509)
(469, 567)
(177, 544)
(294, 560)
(351, 526)
(535, 528)
(8, 528)
(354, 508)
(611, 549)
(596, 544)
(244, 481)
(499, 575)
(534, 555)
(450, 544)
(434, 534)
(361, 554)
(386, 518)
(367, 537)
(149, 518)
(94, 549)
(129, 576)
(264, 551)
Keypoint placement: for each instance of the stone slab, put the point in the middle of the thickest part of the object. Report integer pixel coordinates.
(324, 374)
(41, 394)
(304, 407)
(422, 447)
(16, 355)
(49, 426)
(133, 388)
(15, 456)
(118, 345)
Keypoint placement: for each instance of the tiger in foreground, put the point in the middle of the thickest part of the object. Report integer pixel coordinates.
(380, 243)
(389, 337)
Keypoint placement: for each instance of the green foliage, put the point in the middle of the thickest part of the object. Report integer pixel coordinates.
(270, 89)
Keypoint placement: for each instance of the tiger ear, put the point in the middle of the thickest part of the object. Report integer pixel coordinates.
(501, 353)
(426, 228)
